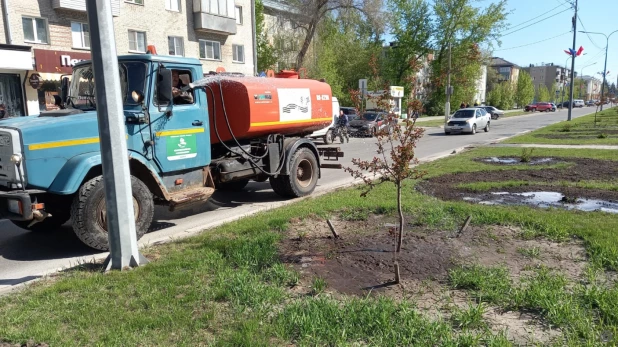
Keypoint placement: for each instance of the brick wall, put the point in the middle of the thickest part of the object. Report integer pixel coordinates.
(152, 17)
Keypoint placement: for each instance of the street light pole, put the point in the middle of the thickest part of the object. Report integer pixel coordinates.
(562, 83)
(605, 66)
(581, 76)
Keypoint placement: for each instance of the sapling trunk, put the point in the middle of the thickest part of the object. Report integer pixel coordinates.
(400, 210)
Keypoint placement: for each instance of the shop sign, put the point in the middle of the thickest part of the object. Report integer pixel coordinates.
(35, 81)
(57, 61)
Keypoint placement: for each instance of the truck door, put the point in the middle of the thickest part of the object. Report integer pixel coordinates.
(180, 133)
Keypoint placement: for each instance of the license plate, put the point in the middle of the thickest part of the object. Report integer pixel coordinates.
(456, 129)
(5, 140)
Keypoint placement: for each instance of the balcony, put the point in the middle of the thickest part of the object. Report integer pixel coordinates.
(214, 16)
(80, 5)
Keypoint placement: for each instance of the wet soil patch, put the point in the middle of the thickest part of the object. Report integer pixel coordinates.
(517, 161)
(360, 263)
(447, 186)
(361, 260)
(573, 136)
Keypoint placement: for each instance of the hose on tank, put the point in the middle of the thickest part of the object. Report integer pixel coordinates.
(252, 158)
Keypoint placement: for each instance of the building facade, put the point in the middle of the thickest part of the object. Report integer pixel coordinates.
(507, 70)
(591, 88)
(481, 86)
(56, 35)
(554, 77)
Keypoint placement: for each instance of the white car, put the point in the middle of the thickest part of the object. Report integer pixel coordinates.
(578, 103)
(468, 120)
(325, 134)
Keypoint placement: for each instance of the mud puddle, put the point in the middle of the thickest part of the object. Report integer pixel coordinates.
(545, 199)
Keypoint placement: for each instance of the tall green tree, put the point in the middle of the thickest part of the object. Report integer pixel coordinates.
(525, 89)
(412, 29)
(464, 26)
(265, 52)
(542, 93)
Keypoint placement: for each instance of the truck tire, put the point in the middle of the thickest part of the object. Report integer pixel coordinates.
(328, 138)
(49, 224)
(233, 186)
(88, 212)
(303, 176)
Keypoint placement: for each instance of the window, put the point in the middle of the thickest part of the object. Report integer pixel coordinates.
(137, 2)
(238, 15)
(175, 46)
(180, 78)
(81, 35)
(35, 30)
(218, 7)
(137, 41)
(239, 53)
(172, 5)
(210, 50)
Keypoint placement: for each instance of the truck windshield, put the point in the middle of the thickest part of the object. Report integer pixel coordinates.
(81, 91)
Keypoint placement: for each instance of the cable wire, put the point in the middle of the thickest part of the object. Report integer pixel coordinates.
(530, 20)
(587, 34)
(533, 43)
(537, 22)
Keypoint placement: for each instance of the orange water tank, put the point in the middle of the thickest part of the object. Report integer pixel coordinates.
(257, 106)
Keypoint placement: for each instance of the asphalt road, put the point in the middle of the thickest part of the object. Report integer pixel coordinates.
(26, 256)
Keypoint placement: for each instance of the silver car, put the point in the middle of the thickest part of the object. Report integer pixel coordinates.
(468, 120)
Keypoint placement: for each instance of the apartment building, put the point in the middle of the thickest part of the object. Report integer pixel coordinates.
(554, 77)
(283, 32)
(591, 88)
(508, 71)
(40, 40)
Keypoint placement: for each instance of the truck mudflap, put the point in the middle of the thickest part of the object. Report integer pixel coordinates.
(330, 154)
(18, 205)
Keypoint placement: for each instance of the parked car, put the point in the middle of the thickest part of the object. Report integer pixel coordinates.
(553, 107)
(543, 106)
(590, 103)
(493, 112)
(369, 124)
(468, 120)
(578, 103)
(530, 108)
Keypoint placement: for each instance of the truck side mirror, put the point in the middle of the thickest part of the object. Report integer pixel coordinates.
(64, 90)
(164, 86)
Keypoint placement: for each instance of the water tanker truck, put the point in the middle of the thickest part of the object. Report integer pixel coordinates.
(187, 134)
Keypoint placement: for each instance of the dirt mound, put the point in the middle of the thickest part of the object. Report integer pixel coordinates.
(361, 260)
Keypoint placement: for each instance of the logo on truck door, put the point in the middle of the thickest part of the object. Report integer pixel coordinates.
(294, 104)
(181, 147)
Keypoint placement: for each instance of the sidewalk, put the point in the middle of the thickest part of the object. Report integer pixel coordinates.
(529, 145)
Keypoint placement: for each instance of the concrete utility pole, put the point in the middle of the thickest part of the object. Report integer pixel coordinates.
(573, 62)
(116, 173)
(449, 90)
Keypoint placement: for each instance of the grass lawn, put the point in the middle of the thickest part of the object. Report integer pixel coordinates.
(580, 131)
(229, 287)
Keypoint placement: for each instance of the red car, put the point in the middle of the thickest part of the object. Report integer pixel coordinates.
(539, 106)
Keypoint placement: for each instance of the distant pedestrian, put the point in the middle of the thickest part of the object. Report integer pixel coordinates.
(463, 105)
(3, 113)
(476, 104)
(467, 105)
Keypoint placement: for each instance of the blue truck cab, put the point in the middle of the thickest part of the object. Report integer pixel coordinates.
(50, 164)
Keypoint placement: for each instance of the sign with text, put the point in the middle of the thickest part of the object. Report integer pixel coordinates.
(57, 61)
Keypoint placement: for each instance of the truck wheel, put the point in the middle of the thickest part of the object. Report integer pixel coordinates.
(233, 186)
(49, 224)
(328, 138)
(303, 176)
(89, 213)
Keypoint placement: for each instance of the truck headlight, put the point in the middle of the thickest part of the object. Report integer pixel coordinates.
(14, 206)
(16, 159)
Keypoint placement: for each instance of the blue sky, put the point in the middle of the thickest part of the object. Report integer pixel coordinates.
(596, 15)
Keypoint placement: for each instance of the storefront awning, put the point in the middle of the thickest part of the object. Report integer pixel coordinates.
(15, 57)
(46, 76)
